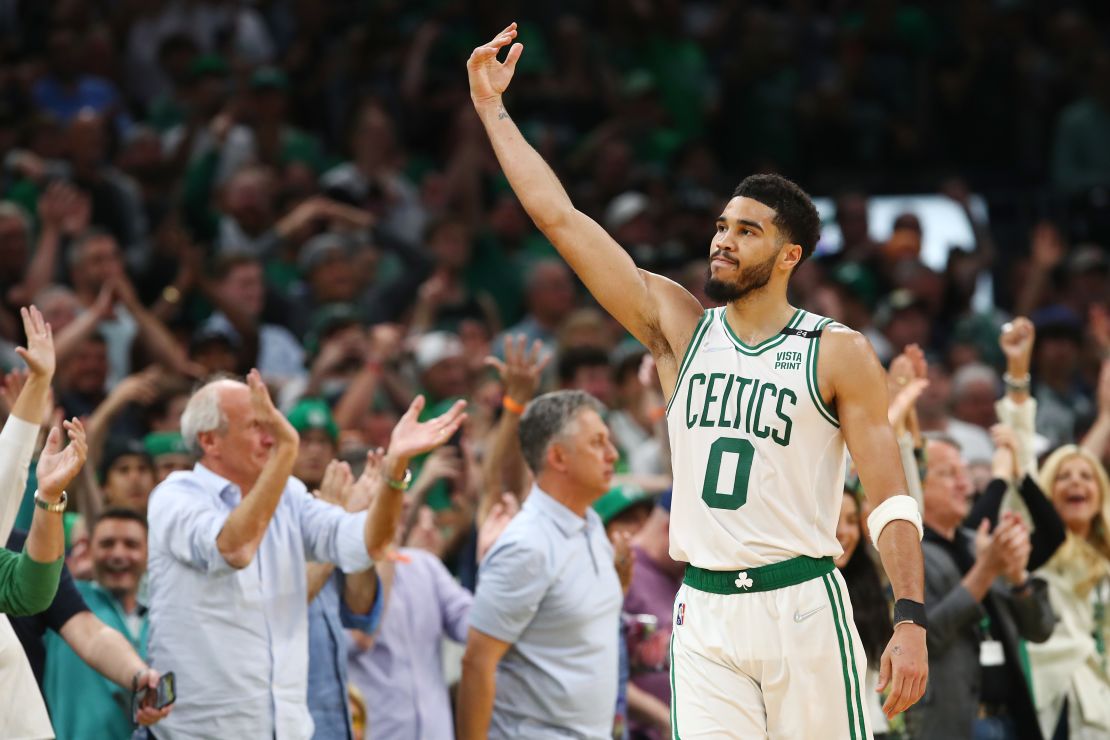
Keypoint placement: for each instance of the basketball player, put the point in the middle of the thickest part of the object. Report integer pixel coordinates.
(763, 399)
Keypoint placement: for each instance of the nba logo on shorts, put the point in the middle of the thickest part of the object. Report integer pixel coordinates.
(681, 613)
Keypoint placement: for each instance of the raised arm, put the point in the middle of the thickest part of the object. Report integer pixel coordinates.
(410, 438)
(503, 466)
(849, 368)
(245, 527)
(657, 311)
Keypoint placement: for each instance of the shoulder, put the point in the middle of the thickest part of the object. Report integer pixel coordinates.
(525, 544)
(838, 341)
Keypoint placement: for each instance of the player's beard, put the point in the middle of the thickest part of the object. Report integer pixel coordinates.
(750, 280)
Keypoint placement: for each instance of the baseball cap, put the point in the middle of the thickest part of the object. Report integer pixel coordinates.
(435, 347)
(620, 499)
(313, 413)
(165, 443)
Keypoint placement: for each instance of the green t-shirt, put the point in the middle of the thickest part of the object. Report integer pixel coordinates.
(82, 703)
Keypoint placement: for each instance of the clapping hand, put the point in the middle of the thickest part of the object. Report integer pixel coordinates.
(58, 466)
(336, 485)
(271, 419)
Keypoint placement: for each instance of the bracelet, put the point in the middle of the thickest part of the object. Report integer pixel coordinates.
(907, 610)
(51, 506)
(1016, 384)
(511, 405)
(403, 484)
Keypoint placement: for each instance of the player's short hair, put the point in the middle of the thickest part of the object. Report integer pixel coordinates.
(795, 215)
(548, 418)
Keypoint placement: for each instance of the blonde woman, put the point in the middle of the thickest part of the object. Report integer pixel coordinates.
(1071, 681)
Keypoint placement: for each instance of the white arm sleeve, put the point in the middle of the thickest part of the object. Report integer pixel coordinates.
(17, 445)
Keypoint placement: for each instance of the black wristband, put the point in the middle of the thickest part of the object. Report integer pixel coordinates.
(907, 610)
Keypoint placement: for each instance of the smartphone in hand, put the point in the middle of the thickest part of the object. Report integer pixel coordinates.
(159, 698)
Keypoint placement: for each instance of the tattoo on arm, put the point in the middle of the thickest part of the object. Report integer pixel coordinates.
(501, 112)
(897, 650)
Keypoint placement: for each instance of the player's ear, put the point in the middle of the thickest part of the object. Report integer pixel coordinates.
(790, 255)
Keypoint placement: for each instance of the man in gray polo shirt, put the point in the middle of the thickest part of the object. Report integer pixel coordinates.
(541, 655)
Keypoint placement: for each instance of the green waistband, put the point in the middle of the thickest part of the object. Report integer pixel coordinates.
(764, 578)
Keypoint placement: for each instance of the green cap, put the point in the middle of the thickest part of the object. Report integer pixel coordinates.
(620, 499)
(313, 413)
(165, 443)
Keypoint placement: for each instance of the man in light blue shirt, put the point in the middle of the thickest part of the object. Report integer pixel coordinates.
(541, 656)
(229, 543)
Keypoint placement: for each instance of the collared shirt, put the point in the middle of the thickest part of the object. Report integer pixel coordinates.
(328, 644)
(401, 676)
(548, 586)
(83, 703)
(237, 640)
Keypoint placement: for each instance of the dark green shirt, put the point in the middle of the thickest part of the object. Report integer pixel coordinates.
(26, 586)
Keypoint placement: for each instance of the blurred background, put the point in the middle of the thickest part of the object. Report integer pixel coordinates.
(198, 186)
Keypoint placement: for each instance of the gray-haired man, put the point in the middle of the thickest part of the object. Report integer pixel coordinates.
(228, 545)
(541, 655)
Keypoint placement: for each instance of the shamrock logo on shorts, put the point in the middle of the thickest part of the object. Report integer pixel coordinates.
(743, 581)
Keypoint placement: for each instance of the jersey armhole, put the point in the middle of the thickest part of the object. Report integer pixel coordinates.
(700, 330)
(827, 413)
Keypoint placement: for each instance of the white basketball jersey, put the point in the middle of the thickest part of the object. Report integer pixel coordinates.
(758, 457)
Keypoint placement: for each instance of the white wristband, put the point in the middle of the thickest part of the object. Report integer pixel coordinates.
(895, 507)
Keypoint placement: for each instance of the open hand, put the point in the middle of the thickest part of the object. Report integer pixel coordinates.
(57, 465)
(270, 418)
(489, 78)
(413, 437)
(521, 369)
(39, 352)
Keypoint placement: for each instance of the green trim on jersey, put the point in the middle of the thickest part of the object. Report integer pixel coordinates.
(688, 358)
(763, 578)
(766, 344)
(811, 376)
(674, 700)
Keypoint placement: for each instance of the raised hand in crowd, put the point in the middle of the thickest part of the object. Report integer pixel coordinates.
(521, 372)
(35, 400)
(337, 484)
(273, 421)
(410, 437)
(1016, 341)
(907, 379)
(58, 464)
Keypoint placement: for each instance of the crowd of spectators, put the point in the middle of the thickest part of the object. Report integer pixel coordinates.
(192, 188)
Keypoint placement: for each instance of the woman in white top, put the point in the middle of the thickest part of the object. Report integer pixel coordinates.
(1071, 682)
